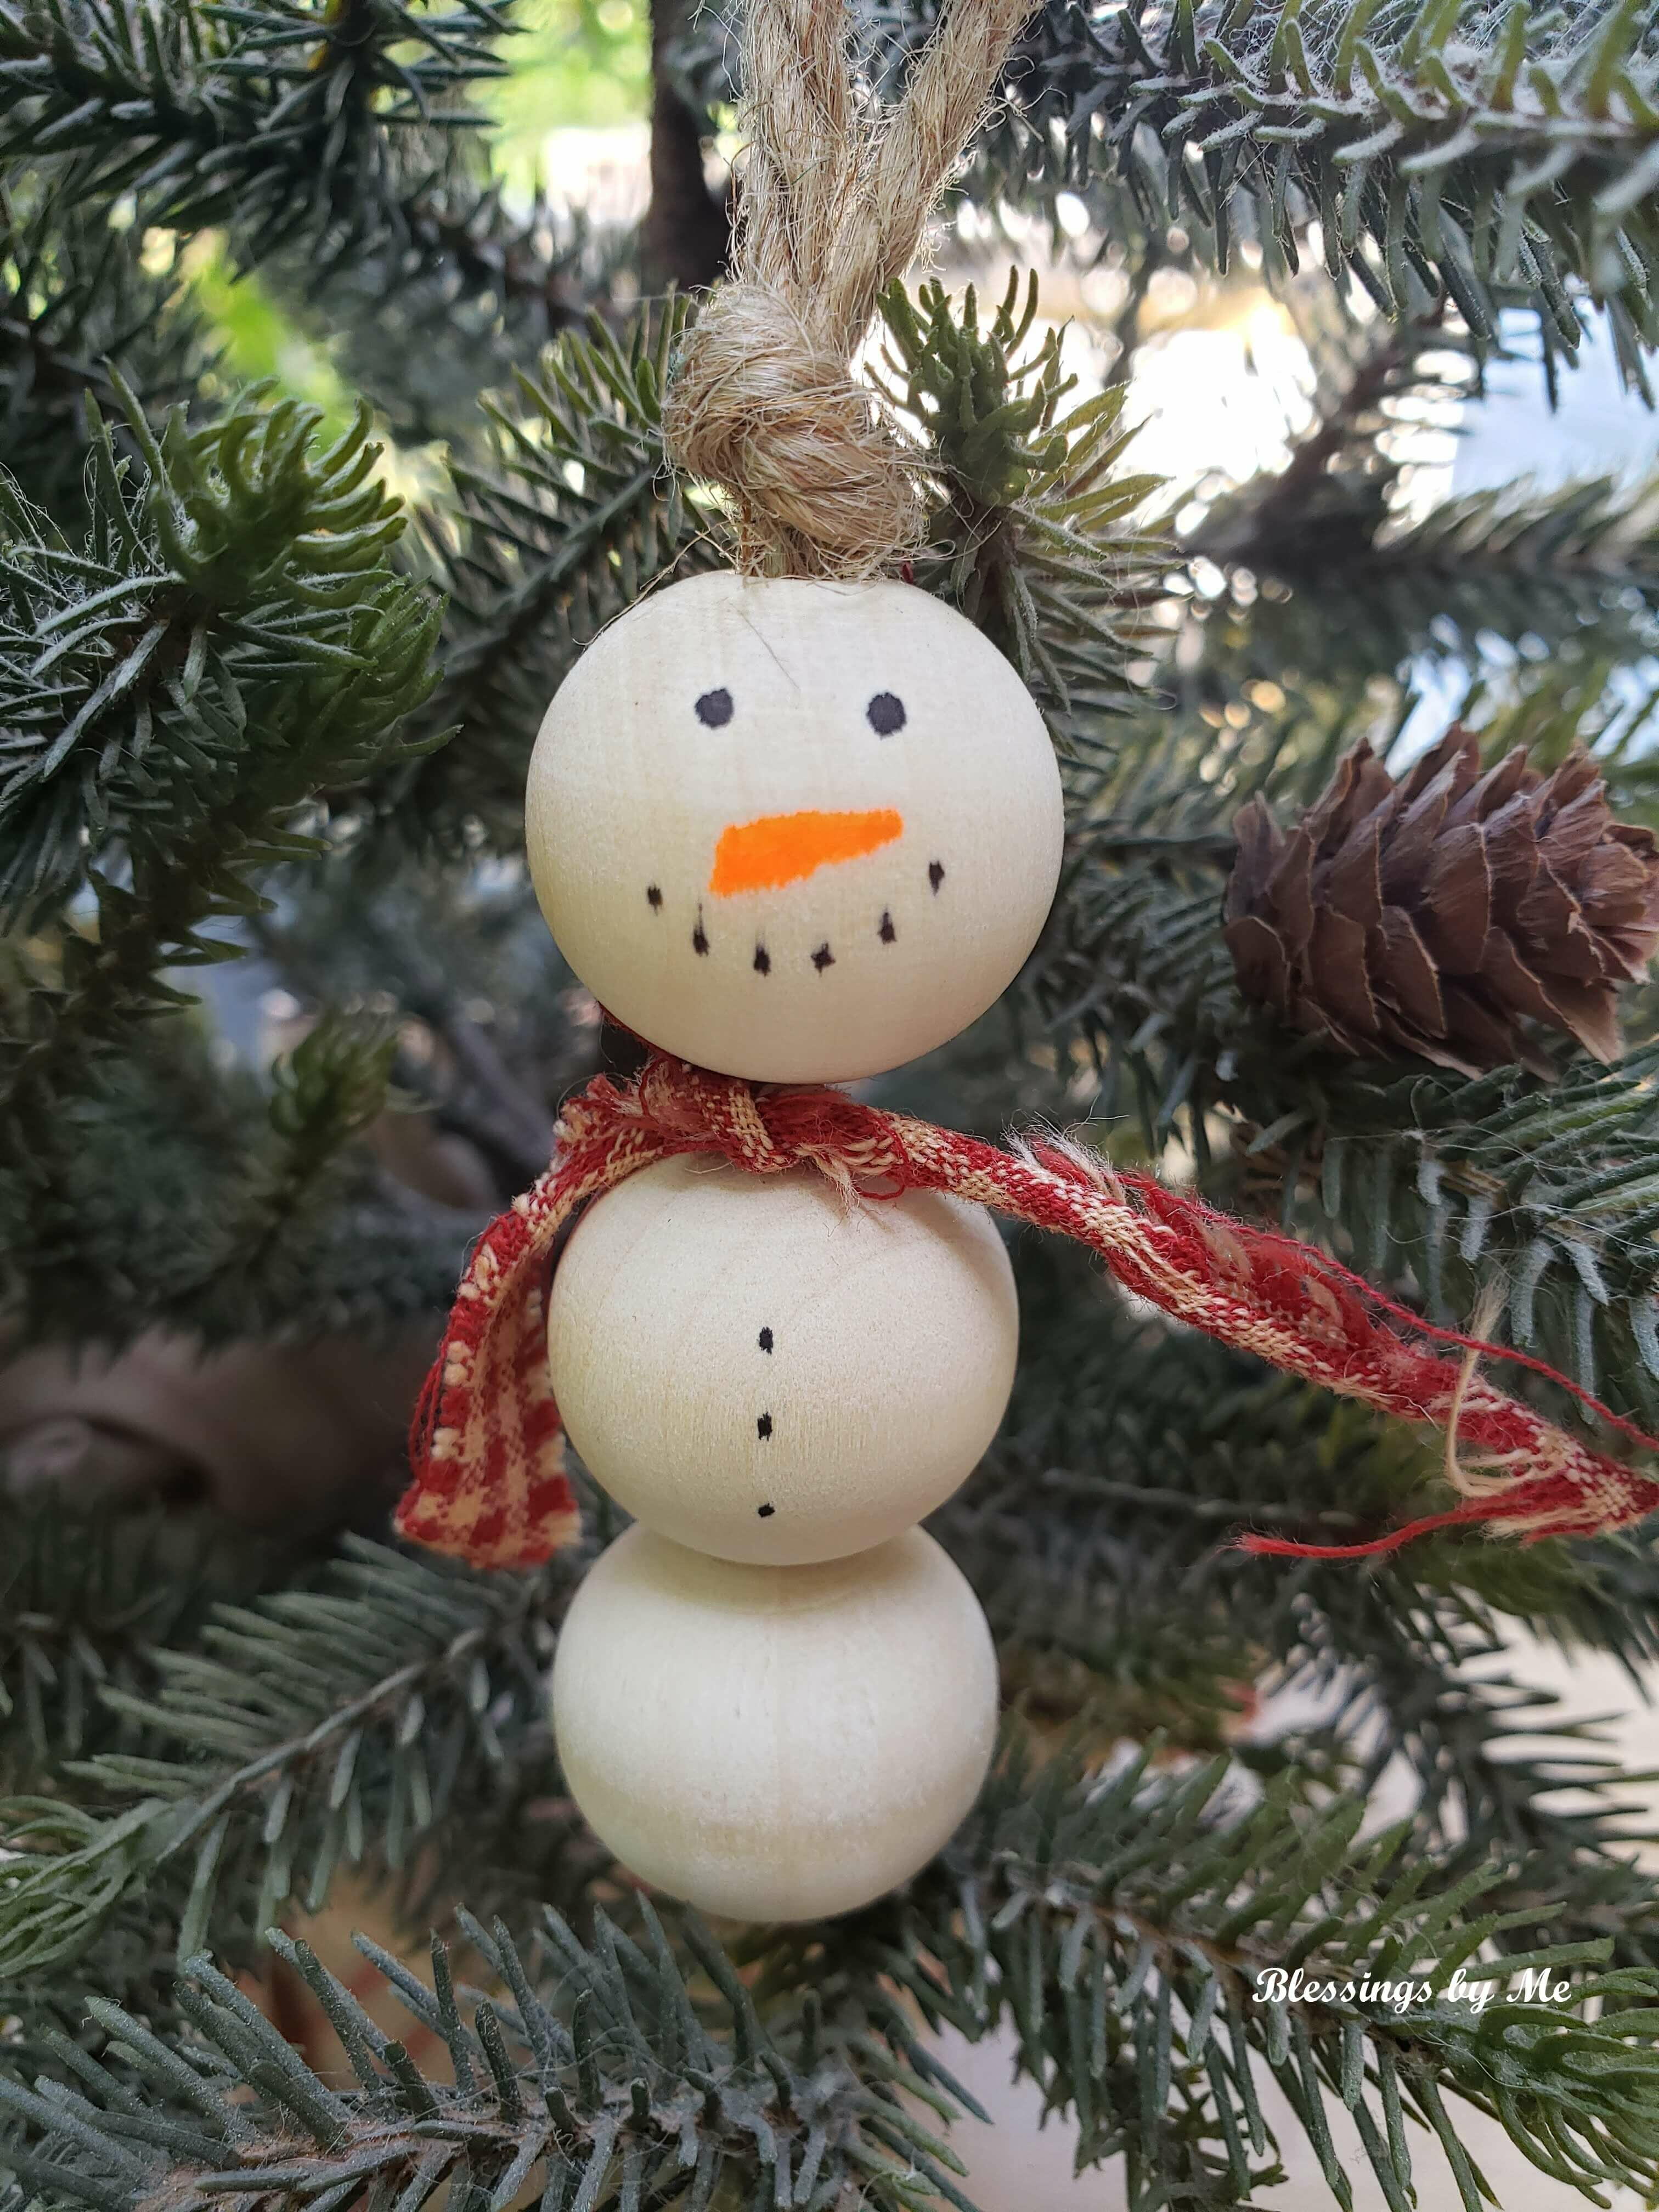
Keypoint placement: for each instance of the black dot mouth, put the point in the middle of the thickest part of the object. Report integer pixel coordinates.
(765, 1512)
(822, 957)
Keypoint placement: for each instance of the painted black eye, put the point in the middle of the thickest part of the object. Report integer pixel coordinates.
(885, 713)
(714, 709)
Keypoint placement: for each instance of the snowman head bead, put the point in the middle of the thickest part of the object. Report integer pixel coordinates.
(758, 1368)
(791, 829)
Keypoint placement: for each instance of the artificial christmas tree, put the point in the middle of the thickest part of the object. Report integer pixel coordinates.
(266, 715)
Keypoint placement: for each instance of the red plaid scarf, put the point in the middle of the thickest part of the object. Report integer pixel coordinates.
(487, 1447)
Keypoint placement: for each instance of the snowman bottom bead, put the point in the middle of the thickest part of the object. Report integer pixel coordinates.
(774, 1743)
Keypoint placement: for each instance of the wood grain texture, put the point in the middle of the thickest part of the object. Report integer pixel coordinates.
(763, 1368)
(724, 702)
(774, 1743)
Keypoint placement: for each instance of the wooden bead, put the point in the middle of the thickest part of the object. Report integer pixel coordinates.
(774, 1743)
(759, 1368)
(795, 830)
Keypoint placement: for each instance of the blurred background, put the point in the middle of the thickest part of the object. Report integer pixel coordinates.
(1222, 379)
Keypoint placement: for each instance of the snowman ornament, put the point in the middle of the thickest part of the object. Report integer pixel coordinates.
(797, 831)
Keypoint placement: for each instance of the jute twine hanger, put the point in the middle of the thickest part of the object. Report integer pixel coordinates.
(836, 197)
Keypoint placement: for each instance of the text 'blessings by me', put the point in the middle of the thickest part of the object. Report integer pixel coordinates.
(1531, 1985)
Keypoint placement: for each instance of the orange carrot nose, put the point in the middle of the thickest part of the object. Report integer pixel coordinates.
(781, 848)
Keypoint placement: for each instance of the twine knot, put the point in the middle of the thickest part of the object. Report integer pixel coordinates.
(766, 405)
(836, 197)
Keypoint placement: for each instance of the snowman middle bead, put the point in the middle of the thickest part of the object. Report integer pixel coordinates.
(761, 1369)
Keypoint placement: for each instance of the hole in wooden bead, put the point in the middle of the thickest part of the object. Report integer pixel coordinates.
(936, 872)
(714, 709)
(763, 1427)
(823, 958)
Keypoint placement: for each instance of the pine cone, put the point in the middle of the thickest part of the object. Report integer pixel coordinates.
(1437, 915)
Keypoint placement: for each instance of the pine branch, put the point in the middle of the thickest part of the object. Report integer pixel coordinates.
(1562, 1814)
(323, 1096)
(658, 2085)
(285, 120)
(1475, 150)
(76, 297)
(1546, 1194)
(357, 1719)
(1122, 1926)
(481, 998)
(1470, 148)
(1123, 1922)
(1332, 496)
(1327, 567)
(86, 1599)
(1097, 1537)
(1132, 966)
(1033, 536)
(84, 1602)
(576, 514)
(1500, 1774)
(450, 305)
(226, 642)
(1586, 545)
(1568, 572)
(1361, 581)
(332, 145)
(258, 1212)
(1151, 1887)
